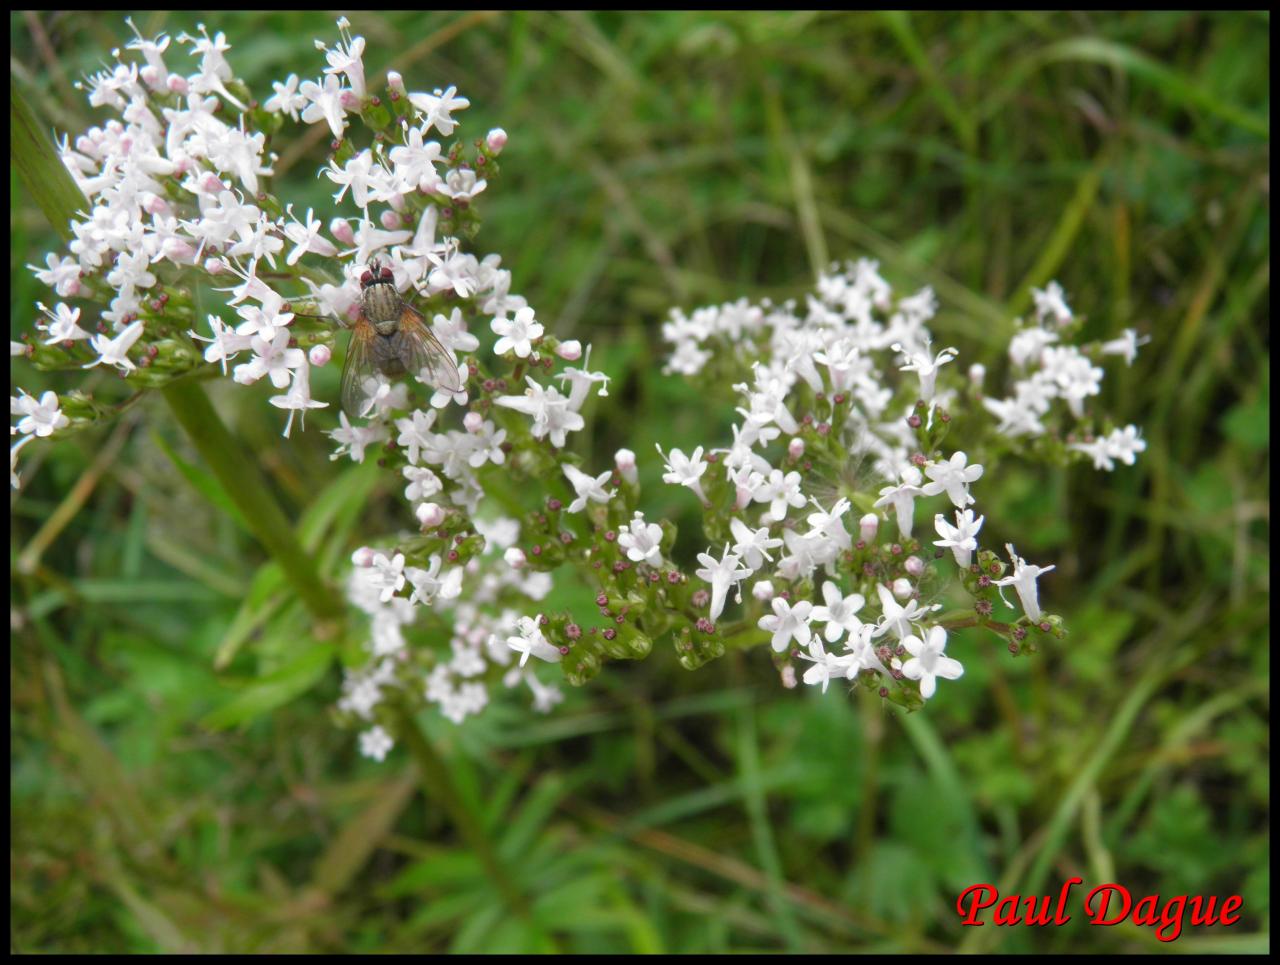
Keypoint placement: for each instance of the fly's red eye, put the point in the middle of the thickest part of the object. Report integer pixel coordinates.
(366, 278)
(386, 274)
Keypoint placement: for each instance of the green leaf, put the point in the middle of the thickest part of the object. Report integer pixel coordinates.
(273, 690)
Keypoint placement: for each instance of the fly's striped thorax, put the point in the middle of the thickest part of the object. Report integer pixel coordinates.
(381, 303)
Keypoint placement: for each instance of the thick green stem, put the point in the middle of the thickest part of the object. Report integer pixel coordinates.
(244, 484)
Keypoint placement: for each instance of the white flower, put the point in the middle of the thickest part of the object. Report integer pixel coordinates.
(1023, 580)
(779, 491)
(684, 470)
(1125, 444)
(961, 538)
(721, 574)
(641, 541)
(897, 619)
(375, 743)
(286, 98)
(62, 325)
(788, 622)
(387, 575)
(325, 104)
(114, 351)
(530, 641)
(838, 612)
(953, 477)
(589, 489)
(752, 545)
(552, 415)
(353, 440)
(928, 662)
(825, 665)
(1052, 304)
(518, 334)
(428, 584)
(1126, 346)
(902, 498)
(39, 418)
(925, 367)
(438, 106)
(298, 398)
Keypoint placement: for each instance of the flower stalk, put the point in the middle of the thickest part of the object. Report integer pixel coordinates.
(244, 484)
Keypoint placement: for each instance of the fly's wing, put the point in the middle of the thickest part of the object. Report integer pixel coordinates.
(358, 367)
(426, 353)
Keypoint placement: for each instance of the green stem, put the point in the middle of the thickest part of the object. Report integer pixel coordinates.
(244, 485)
(439, 786)
(43, 175)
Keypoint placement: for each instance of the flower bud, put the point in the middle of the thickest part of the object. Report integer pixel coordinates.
(363, 557)
(214, 266)
(340, 228)
(789, 677)
(319, 355)
(178, 84)
(570, 351)
(390, 220)
(762, 591)
(472, 421)
(795, 449)
(515, 557)
(868, 526)
(902, 588)
(977, 372)
(209, 183)
(153, 203)
(496, 140)
(625, 460)
(429, 515)
(913, 565)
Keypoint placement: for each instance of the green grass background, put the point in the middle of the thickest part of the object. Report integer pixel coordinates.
(677, 159)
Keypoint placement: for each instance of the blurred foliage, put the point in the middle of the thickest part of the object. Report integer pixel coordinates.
(676, 159)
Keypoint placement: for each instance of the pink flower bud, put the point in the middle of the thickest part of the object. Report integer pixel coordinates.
(349, 100)
(795, 448)
(788, 676)
(178, 84)
(913, 565)
(151, 77)
(340, 228)
(363, 557)
(396, 82)
(214, 266)
(625, 460)
(430, 515)
(570, 351)
(153, 203)
(868, 527)
(390, 220)
(496, 140)
(902, 588)
(319, 355)
(472, 421)
(515, 557)
(209, 183)
(762, 591)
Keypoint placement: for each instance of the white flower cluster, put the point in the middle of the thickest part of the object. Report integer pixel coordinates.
(1050, 369)
(824, 388)
(479, 627)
